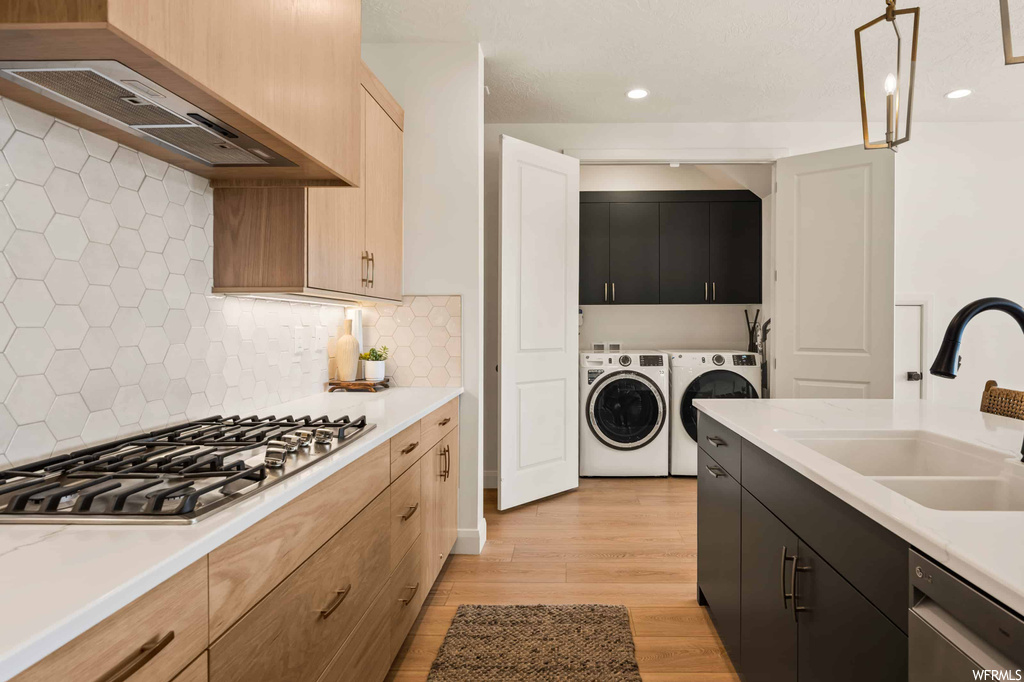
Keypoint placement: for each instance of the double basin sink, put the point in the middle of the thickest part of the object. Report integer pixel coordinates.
(933, 470)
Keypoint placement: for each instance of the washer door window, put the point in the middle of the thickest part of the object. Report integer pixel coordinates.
(719, 383)
(626, 410)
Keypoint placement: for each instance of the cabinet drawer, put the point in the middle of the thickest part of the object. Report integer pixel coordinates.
(438, 423)
(367, 655)
(406, 513)
(294, 632)
(196, 672)
(247, 567)
(163, 629)
(872, 558)
(406, 448)
(721, 443)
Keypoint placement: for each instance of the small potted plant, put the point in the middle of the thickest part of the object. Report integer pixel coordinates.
(373, 363)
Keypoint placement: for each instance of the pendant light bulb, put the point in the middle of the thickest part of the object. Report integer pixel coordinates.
(890, 84)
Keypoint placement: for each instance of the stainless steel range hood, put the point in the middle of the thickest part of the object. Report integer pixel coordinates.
(111, 92)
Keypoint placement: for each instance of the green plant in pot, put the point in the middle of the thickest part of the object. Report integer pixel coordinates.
(373, 363)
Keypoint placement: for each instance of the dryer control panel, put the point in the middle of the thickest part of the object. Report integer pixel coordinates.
(652, 361)
(744, 360)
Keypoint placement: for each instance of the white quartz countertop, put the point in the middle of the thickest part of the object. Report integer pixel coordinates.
(57, 581)
(984, 547)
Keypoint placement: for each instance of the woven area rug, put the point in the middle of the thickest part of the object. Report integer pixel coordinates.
(574, 643)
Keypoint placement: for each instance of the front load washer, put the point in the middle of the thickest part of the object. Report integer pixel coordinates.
(624, 413)
(704, 374)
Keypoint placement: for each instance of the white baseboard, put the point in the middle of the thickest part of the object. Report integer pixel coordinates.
(471, 540)
(490, 479)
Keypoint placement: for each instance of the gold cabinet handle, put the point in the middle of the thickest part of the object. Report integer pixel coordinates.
(410, 447)
(606, 292)
(412, 510)
(444, 422)
(613, 292)
(714, 292)
(705, 292)
(339, 596)
(364, 269)
(408, 600)
(131, 665)
(371, 274)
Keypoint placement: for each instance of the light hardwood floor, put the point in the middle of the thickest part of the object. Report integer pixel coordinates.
(613, 541)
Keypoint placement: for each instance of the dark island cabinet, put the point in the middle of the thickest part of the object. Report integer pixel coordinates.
(718, 549)
(802, 614)
(681, 247)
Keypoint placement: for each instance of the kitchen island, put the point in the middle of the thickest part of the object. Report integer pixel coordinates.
(808, 511)
(58, 581)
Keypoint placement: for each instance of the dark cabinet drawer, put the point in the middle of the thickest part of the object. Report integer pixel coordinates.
(870, 557)
(718, 548)
(721, 443)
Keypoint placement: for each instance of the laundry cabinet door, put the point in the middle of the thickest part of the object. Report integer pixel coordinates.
(595, 282)
(634, 262)
(767, 623)
(685, 275)
(736, 252)
(718, 549)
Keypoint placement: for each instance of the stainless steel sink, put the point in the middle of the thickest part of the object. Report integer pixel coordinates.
(933, 470)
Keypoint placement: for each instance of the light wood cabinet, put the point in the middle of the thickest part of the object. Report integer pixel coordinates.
(157, 635)
(284, 72)
(326, 588)
(328, 242)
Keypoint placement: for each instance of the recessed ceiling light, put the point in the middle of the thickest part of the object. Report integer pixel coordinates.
(637, 93)
(958, 94)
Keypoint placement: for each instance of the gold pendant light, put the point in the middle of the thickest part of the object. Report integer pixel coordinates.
(1004, 15)
(892, 84)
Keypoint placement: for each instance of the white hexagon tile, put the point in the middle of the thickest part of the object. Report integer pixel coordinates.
(424, 335)
(107, 326)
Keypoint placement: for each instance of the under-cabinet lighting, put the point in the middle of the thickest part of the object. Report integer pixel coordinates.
(637, 93)
(958, 94)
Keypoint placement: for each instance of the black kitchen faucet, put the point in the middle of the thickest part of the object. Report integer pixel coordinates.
(947, 361)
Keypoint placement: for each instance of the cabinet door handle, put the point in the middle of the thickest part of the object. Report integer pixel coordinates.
(364, 269)
(447, 462)
(410, 447)
(705, 292)
(715, 471)
(714, 290)
(339, 596)
(792, 580)
(131, 665)
(412, 510)
(444, 422)
(606, 292)
(444, 465)
(613, 292)
(716, 441)
(786, 596)
(415, 588)
(371, 274)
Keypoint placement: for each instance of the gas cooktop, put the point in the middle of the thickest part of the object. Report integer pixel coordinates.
(174, 475)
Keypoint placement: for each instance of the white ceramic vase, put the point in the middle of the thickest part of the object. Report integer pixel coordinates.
(373, 370)
(347, 353)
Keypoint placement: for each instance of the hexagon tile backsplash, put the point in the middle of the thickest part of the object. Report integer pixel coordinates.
(424, 335)
(107, 326)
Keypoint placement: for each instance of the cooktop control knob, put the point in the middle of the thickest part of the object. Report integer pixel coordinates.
(718, 360)
(625, 360)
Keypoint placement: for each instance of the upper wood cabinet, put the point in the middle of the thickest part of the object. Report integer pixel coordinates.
(343, 243)
(284, 73)
(683, 247)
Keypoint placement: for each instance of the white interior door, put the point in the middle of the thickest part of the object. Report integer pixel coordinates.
(539, 376)
(834, 300)
(909, 367)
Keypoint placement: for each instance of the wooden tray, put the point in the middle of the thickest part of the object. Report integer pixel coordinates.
(360, 386)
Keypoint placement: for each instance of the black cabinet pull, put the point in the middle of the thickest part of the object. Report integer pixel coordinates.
(716, 441)
(339, 597)
(410, 447)
(792, 579)
(786, 596)
(412, 510)
(131, 665)
(715, 471)
(444, 422)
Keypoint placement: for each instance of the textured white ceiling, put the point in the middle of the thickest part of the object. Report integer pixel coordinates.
(715, 60)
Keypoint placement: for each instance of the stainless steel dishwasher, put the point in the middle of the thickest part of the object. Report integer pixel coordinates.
(957, 633)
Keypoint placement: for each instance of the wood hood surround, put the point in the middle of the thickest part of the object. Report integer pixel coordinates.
(285, 73)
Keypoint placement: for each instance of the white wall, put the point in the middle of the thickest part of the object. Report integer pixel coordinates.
(958, 230)
(666, 327)
(627, 177)
(440, 86)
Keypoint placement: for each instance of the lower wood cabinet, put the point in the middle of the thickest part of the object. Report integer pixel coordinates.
(324, 589)
(293, 633)
(784, 610)
(158, 634)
